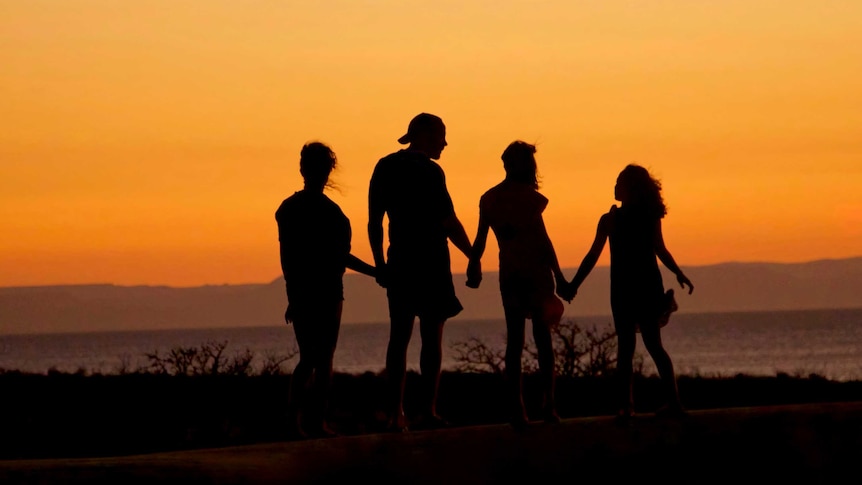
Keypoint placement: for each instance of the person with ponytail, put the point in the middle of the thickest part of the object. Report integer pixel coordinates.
(314, 240)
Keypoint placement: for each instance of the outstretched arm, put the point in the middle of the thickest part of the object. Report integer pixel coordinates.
(456, 233)
(474, 267)
(375, 237)
(589, 261)
(361, 266)
(560, 279)
(667, 259)
(375, 233)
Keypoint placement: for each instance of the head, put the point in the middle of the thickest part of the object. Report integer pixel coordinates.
(637, 187)
(520, 163)
(426, 133)
(316, 162)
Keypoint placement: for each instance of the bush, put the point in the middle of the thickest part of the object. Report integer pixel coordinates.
(210, 359)
(578, 352)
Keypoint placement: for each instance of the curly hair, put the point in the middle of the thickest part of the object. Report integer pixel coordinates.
(644, 190)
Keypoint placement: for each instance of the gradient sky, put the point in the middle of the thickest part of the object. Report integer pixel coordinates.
(151, 142)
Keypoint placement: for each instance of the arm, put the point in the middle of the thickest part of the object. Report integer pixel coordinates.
(375, 230)
(451, 225)
(360, 266)
(559, 278)
(284, 248)
(375, 237)
(589, 261)
(667, 259)
(456, 233)
(474, 267)
(552, 254)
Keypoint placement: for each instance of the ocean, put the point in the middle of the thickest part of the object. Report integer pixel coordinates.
(823, 342)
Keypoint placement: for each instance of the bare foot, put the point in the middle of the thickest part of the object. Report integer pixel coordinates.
(671, 411)
(433, 421)
(550, 416)
(322, 430)
(624, 417)
(397, 424)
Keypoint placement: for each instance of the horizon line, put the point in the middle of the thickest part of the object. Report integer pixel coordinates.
(349, 272)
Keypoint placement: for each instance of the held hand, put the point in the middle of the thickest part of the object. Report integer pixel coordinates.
(566, 290)
(561, 285)
(381, 276)
(474, 274)
(683, 281)
(563, 295)
(572, 290)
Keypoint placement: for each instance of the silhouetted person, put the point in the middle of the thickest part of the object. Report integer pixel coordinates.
(314, 239)
(410, 188)
(638, 300)
(529, 272)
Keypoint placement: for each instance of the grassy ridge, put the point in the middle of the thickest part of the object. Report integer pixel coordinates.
(68, 415)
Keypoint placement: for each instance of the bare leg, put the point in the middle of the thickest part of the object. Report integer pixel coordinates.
(545, 348)
(430, 361)
(327, 334)
(626, 341)
(300, 379)
(514, 349)
(400, 331)
(651, 335)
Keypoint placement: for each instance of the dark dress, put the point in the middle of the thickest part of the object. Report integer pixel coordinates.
(314, 240)
(411, 189)
(637, 290)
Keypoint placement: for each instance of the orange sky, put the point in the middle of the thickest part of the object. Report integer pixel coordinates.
(151, 142)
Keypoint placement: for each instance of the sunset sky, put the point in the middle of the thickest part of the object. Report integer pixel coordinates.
(151, 142)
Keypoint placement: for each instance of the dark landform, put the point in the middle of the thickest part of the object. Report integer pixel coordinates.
(74, 415)
(138, 429)
(727, 287)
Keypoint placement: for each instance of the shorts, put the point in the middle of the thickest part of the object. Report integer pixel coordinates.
(531, 296)
(422, 287)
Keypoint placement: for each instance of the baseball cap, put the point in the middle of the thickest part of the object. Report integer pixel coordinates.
(420, 123)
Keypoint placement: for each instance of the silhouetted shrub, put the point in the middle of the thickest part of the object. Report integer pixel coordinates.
(210, 358)
(579, 352)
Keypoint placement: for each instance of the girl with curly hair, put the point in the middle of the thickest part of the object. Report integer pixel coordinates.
(639, 302)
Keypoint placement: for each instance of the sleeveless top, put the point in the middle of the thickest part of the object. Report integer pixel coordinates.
(636, 282)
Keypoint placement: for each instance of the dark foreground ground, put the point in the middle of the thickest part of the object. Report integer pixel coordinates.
(79, 416)
(810, 443)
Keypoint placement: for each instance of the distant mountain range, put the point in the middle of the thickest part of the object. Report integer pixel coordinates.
(726, 287)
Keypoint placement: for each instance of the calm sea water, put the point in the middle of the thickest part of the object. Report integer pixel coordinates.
(825, 342)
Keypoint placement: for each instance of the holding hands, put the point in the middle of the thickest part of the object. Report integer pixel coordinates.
(474, 273)
(566, 290)
(381, 276)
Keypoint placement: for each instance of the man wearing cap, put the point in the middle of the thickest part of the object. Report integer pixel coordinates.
(410, 188)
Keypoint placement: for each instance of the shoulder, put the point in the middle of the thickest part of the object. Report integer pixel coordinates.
(389, 159)
(386, 163)
(287, 204)
(430, 168)
(608, 217)
(494, 191)
(329, 203)
(331, 206)
(492, 195)
(399, 157)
